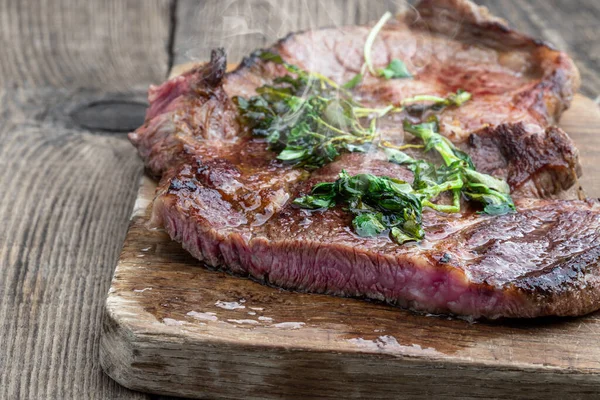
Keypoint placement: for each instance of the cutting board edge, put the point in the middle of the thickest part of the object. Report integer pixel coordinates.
(128, 359)
(131, 330)
(137, 366)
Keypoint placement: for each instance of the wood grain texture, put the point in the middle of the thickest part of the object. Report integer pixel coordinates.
(176, 328)
(108, 44)
(582, 123)
(571, 26)
(68, 181)
(242, 26)
(66, 197)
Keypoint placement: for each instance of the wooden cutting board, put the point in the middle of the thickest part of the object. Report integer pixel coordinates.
(173, 327)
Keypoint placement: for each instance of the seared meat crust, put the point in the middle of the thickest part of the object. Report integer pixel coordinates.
(227, 199)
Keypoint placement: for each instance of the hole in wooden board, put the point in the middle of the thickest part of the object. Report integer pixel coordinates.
(110, 115)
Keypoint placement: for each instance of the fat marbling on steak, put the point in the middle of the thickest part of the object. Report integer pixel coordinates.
(227, 198)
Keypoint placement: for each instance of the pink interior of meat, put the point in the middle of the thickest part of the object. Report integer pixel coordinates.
(230, 202)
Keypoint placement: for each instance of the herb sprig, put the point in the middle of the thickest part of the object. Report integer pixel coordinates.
(307, 118)
(383, 204)
(396, 69)
(378, 204)
(492, 192)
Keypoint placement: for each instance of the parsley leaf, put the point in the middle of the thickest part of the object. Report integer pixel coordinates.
(396, 69)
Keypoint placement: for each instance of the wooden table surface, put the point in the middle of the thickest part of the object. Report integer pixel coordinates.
(73, 76)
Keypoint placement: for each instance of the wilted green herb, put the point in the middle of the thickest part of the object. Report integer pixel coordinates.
(492, 192)
(378, 204)
(396, 68)
(418, 103)
(368, 65)
(435, 103)
(309, 120)
(354, 82)
(382, 204)
(306, 118)
(430, 181)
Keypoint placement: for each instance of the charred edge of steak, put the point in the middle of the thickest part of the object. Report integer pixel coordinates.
(554, 93)
(216, 68)
(519, 156)
(249, 61)
(467, 21)
(187, 107)
(560, 77)
(211, 74)
(570, 288)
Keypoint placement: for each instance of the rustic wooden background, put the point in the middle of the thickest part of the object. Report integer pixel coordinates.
(73, 76)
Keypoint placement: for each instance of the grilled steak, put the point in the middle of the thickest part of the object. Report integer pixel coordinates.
(227, 198)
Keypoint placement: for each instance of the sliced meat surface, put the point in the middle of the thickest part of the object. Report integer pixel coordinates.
(543, 260)
(227, 198)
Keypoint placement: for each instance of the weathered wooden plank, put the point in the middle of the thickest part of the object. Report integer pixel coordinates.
(68, 181)
(65, 201)
(108, 44)
(571, 26)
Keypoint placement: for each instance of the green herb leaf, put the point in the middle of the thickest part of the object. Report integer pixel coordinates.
(368, 224)
(291, 154)
(379, 204)
(270, 56)
(354, 82)
(371, 39)
(358, 148)
(422, 103)
(488, 181)
(459, 98)
(494, 202)
(399, 236)
(314, 202)
(460, 173)
(399, 157)
(395, 70)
